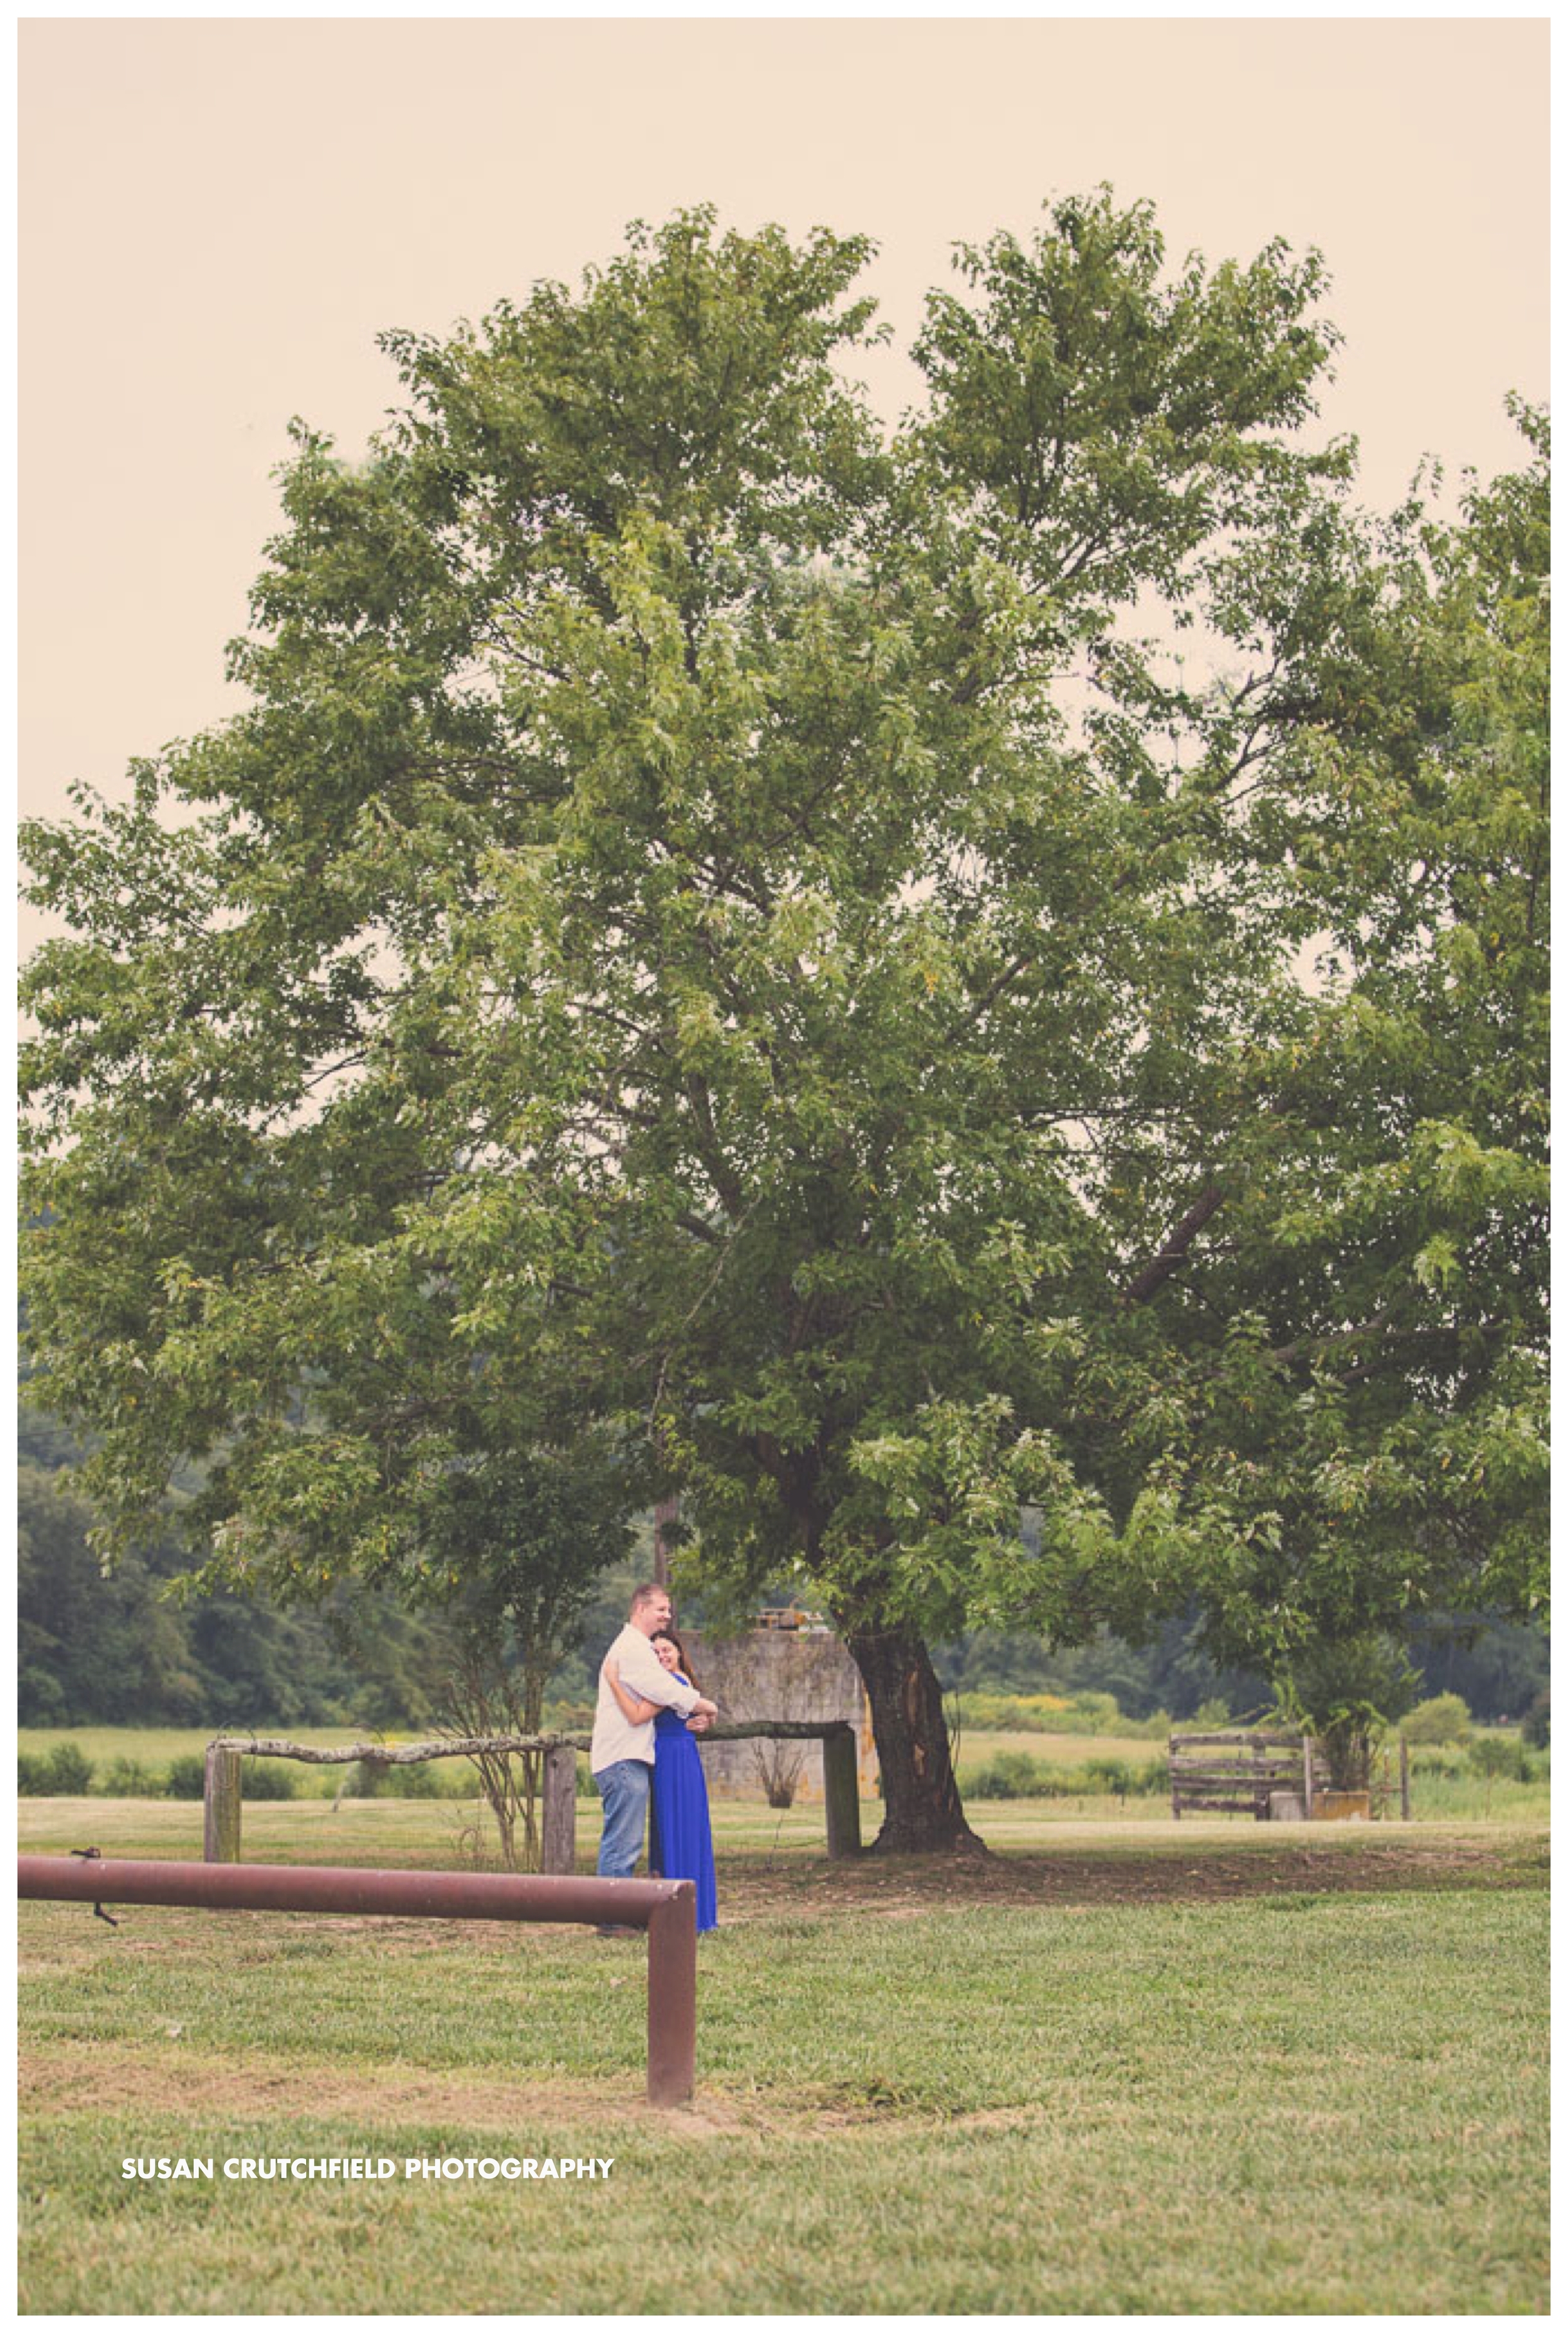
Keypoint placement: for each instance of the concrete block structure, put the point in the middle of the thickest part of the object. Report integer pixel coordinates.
(798, 1671)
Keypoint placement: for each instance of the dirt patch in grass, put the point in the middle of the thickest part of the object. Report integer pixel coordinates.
(901, 1886)
(761, 1888)
(65, 2076)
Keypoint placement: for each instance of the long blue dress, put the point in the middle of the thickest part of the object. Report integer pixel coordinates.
(683, 1836)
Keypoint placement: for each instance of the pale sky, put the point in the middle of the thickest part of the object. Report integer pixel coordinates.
(218, 216)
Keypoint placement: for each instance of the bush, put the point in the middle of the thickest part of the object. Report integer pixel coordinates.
(1012, 1713)
(1210, 1717)
(1092, 1712)
(1438, 1765)
(1126, 1781)
(1011, 1774)
(128, 1778)
(267, 1778)
(1045, 1713)
(1014, 1774)
(62, 1773)
(369, 1779)
(1536, 1730)
(365, 1779)
(1112, 1774)
(187, 1777)
(567, 1717)
(1441, 1720)
(1500, 1758)
(418, 1781)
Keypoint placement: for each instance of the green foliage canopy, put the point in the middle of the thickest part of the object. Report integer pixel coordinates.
(718, 930)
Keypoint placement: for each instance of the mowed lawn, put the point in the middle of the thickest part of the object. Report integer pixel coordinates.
(1127, 2068)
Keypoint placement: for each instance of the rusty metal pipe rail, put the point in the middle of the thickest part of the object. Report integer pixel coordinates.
(667, 1908)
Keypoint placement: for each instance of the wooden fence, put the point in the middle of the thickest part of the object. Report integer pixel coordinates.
(558, 1826)
(1243, 1773)
(1240, 1773)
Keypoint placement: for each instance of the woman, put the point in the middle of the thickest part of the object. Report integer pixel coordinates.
(682, 1844)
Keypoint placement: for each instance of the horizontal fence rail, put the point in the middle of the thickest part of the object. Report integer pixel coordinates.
(666, 1909)
(223, 1798)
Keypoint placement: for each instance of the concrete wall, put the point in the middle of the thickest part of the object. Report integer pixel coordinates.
(800, 1673)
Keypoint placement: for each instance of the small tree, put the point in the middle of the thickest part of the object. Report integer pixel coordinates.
(1346, 1695)
(511, 1555)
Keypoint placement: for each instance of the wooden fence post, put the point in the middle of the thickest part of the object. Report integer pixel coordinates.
(221, 1802)
(841, 1793)
(1308, 1788)
(558, 1844)
(1404, 1779)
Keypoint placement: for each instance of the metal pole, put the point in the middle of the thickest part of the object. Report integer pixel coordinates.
(672, 1997)
(667, 1908)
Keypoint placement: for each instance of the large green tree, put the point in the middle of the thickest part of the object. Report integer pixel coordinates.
(717, 926)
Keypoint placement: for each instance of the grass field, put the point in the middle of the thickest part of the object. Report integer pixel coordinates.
(1138, 2069)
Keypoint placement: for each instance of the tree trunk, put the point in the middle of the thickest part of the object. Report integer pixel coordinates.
(924, 1814)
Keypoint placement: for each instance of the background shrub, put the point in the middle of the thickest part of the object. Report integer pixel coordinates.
(1051, 1712)
(369, 1779)
(1443, 1719)
(424, 1781)
(62, 1773)
(1210, 1717)
(1445, 1764)
(187, 1777)
(1536, 1729)
(267, 1778)
(1016, 1774)
(568, 1717)
(128, 1778)
(1111, 1774)
(1011, 1774)
(1500, 1757)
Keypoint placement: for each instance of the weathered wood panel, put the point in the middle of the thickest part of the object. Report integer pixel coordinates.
(1238, 1772)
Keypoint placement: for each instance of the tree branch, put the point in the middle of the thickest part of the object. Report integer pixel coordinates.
(1159, 1268)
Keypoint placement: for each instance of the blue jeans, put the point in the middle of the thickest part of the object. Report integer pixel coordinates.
(623, 1788)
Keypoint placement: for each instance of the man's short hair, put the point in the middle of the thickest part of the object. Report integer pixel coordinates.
(646, 1594)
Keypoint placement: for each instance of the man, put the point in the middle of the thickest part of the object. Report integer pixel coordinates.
(621, 1755)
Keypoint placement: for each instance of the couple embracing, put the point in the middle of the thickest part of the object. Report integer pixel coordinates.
(648, 1712)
